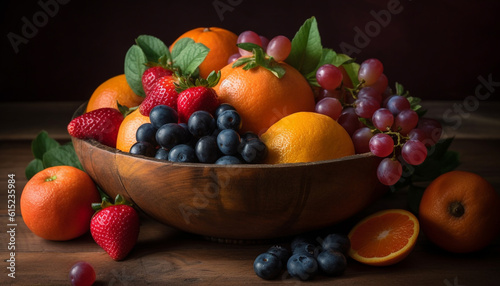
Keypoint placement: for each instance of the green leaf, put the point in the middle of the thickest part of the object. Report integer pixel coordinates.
(306, 48)
(153, 48)
(41, 144)
(35, 166)
(248, 46)
(135, 61)
(64, 155)
(180, 46)
(352, 69)
(190, 58)
(399, 88)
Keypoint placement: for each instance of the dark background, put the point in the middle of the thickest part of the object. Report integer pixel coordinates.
(437, 49)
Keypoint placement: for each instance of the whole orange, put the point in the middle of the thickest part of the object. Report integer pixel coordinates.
(221, 42)
(115, 89)
(56, 203)
(126, 134)
(306, 137)
(460, 212)
(261, 98)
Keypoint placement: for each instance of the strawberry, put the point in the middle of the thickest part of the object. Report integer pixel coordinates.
(151, 75)
(115, 227)
(197, 96)
(101, 124)
(163, 92)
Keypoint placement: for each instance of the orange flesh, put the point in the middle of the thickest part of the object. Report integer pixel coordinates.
(369, 240)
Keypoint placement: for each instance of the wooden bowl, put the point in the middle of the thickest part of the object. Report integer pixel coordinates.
(237, 202)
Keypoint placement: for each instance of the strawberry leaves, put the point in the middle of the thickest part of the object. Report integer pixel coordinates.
(259, 58)
(150, 51)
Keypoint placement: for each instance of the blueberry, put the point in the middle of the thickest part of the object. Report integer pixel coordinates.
(331, 262)
(229, 119)
(162, 154)
(143, 148)
(228, 160)
(302, 266)
(146, 133)
(207, 150)
(228, 141)
(189, 139)
(267, 266)
(249, 135)
(170, 134)
(282, 253)
(182, 153)
(253, 151)
(201, 123)
(161, 115)
(223, 107)
(307, 249)
(337, 242)
(300, 240)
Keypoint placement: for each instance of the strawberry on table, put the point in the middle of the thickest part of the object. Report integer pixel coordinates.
(198, 95)
(163, 93)
(115, 227)
(101, 124)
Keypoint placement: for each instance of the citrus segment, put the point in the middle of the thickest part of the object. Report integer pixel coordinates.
(115, 89)
(384, 238)
(126, 134)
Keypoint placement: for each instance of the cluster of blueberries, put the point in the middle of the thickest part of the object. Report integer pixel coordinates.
(307, 258)
(205, 138)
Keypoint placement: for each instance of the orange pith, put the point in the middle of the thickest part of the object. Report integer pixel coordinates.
(384, 238)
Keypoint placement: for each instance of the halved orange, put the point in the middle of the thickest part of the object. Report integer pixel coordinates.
(384, 238)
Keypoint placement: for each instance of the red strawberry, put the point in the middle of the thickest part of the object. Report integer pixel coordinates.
(151, 75)
(101, 124)
(194, 99)
(115, 227)
(163, 92)
(197, 95)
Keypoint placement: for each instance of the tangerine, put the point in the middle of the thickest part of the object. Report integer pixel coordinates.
(126, 133)
(115, 89)
(261, 98)
(306, 137)
(384, 238)
(56, 203)
(460, 212)
(221, 42)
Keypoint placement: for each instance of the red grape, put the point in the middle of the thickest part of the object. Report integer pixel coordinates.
(381, 145)
(361, 139)
(233, 58)
(418, 135)
(381, 84)
(365, 107)
(405, 121)
(414, 152)
(389, 171)
(329, 106)
(323, 93)
(432, 129)
(264, 41)
(397, 103)
(82, 274)
(370, 92)
(382, 119)
(248, 37)
(329, 76)
(370, 70)
(279, 48)
(349, 120)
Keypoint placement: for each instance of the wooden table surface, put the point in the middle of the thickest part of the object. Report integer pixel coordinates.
(164, 255)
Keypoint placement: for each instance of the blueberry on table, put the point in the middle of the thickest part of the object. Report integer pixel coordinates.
(143, 148)
(182, 153)
(207, 150)
(331, 262)
(301, 239)
(338, 242)
(281, 252)
(302, 266)
(253, 151)
(267, 266)
(228, 160)
(223, 107)
(171, 134)
(306, 248)
(161, 115)
(201, 123)
(146, 133)
(228, 141)
(162, 154)
(229, 119)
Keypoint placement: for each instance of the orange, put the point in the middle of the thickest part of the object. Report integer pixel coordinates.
(460, 212)
(128, 128)
(261, 98)
(221, 42)
(113, 90)
(384, 238)
(306, 137)
(56, 203)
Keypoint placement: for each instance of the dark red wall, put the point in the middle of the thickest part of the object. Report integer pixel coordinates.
(437, 49)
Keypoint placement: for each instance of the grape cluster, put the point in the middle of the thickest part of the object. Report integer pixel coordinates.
(205, 138)
(378, 120)
(278, 47)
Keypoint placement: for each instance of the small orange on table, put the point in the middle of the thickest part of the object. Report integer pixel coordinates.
(384, 238)
(56, 203)
(113, 90)
(460, 212)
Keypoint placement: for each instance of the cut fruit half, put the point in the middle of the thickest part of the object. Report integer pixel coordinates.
(384, 238)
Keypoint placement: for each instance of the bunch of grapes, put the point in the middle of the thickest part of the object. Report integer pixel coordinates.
(278, 47)
(378, 120)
